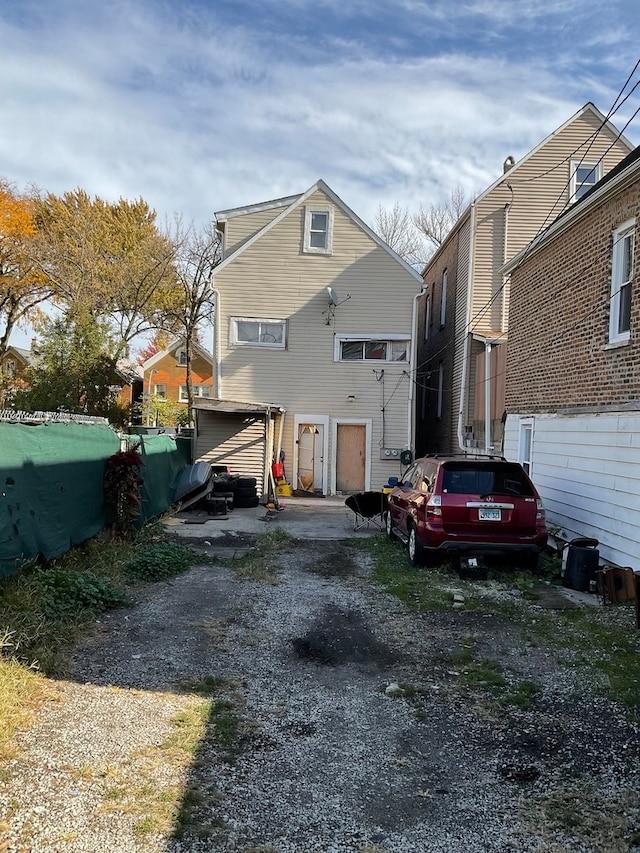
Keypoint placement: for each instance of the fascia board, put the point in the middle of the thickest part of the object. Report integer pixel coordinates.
(232, 212)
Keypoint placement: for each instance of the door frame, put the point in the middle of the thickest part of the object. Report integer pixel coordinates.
(317, 420)
(367, 423)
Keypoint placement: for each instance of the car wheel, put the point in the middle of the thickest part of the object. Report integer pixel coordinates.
(415, 548)
(388, 525)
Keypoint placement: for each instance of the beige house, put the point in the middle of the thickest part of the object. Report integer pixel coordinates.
(463, 316)
(313, 353)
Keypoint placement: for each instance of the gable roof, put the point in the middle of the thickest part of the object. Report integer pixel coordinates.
(624, 173)
(173, 346)
(291, 203)
(24, 354)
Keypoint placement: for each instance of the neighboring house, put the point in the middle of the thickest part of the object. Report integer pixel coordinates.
(129, 380)
(14, 363)
(464, 313)
(313, 347)
(573, 366)
(165, 374)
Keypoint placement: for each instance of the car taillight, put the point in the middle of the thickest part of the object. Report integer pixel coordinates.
(434, 507)
(540, 513)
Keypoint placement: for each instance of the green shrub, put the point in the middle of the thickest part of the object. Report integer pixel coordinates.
(65, 593)
(161, 560)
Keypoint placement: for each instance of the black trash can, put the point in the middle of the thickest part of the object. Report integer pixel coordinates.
(582, 560)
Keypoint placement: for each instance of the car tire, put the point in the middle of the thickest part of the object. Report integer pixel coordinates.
(243, 494)
(246, 483)
(415, 548)
(388, 525)
(246, 503)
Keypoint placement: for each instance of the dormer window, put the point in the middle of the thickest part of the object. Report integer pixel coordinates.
(318, 230)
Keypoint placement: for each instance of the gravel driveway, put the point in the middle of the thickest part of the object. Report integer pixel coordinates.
(339, 724)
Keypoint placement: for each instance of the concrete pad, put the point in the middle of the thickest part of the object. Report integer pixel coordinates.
(303, 518)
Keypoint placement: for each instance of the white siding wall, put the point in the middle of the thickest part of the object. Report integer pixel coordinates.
(587, 470)
(274, 279)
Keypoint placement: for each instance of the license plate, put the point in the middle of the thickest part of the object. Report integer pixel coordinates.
(489, 514)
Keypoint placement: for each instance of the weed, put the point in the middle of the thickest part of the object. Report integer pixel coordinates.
(160, 560)
(258, 564)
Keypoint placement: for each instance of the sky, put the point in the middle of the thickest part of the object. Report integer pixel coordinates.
(203, 105)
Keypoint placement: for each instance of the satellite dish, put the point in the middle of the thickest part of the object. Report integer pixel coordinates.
(333, 296)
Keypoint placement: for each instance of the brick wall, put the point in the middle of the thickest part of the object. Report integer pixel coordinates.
(558, 353)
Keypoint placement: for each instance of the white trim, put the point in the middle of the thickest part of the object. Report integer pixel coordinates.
(339, 339)
(323, 420)
(620, 235)
(595, 169)
(443, 298)
(526, 425)
(307, 248)
(300, 200)
(367, 423)
(196, 349)
(233, 332)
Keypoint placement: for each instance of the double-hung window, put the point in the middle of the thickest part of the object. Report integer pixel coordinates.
(318, 230)
(160, 389)
(583, 177)
(198, 391)
(371, 348)
(252, 332)
(427, 316)
(443, 300)
(621, 276)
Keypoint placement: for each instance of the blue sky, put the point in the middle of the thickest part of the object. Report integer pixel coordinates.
(203, 105)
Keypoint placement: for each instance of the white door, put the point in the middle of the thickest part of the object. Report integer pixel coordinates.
(310, 455)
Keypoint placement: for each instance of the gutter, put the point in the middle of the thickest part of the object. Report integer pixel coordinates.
(216, 344)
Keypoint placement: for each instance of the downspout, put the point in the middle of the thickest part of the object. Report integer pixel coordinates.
(467, 332)
(411, 402)
(487, 397)
(216, 344)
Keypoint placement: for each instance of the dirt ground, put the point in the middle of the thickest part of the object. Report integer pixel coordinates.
(350, 727)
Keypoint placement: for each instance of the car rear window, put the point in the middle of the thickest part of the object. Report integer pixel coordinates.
(504, 478)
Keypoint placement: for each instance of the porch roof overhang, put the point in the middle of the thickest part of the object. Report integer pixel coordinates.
(237, 407)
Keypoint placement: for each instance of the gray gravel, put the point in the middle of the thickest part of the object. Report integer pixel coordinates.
(324, 759)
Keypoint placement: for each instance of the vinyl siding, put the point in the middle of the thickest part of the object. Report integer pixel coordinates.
(239, 229)
(584, 467)
(226, 439)
(274, 279)
(461, 327)
(528, 198)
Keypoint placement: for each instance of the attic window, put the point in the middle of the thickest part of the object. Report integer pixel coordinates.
(318, 230)
(583, 177)
(182, 357)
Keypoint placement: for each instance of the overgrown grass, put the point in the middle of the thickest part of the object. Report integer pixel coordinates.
(602, 642)
(45, 607)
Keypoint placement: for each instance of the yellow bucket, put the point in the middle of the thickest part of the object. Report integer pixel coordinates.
(284, 490)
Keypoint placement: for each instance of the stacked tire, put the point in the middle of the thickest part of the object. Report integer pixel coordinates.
(243, 489)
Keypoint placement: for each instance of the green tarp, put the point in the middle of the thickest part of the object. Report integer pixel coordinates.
(51, 485)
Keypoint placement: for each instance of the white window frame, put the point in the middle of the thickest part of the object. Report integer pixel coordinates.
(198, 391)
(387, 339)
(181, 356)
(623, 241)
(160, 390)
(443, 299)
(10, 368)
(525, 444)
(327, 248)
(427, 317)
(233, 332)
(592, 168)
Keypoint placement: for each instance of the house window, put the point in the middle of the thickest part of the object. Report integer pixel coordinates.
(525, 445)
(388, 348)
(10, 368)
(427, 317)
(249, 332)
(440, 388)
(160, 389)
(198, 391)
(621, 275)
(182, 357)
(443, 300)
(583, 177)
(318, 230)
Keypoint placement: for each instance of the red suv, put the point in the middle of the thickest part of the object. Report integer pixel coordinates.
(454, 505)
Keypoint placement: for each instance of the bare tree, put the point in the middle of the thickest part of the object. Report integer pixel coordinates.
(397, 229)
(197, 253)
(435, 222)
